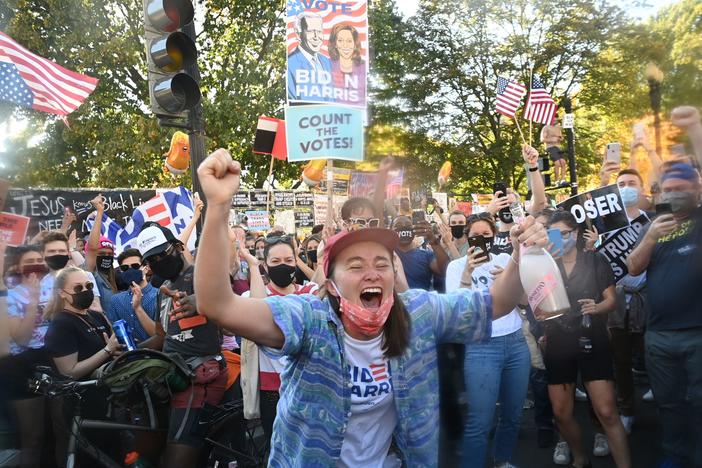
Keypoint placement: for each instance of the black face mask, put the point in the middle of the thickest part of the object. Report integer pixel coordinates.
(488, 242)
(252, 252)
(56, 262)
(104, 262)
(406, 235)
(282, 275)
(83, 299)
(505, 216)
(458, 231)
(312, 256)
(168, 267)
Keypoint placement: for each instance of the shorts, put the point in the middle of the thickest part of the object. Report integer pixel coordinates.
(16, 371)
(555, 153)
(563, 358)
(208, 386)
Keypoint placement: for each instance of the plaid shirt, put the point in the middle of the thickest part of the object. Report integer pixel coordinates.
(315, 396)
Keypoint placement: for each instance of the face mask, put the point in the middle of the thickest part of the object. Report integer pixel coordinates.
(124, 279)
(83, 299)
(252, 252)
(259, 254)
(38, 268)
(168, 267)
(505, 216)
(569, 244)
(458, 231)
(312, 255)
(56, 262)
(282, 275)
(680, 202)
(406, 236)
(630, 196)
(362, 320)
(104, 262)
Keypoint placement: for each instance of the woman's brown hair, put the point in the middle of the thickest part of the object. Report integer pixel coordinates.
(396, 329)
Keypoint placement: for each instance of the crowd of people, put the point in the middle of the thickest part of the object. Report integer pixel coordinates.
(381, 340)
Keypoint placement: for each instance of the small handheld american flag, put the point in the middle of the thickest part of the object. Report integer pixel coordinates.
(540, 107)
(509, 96)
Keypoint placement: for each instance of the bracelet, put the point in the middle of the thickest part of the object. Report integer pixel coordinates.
(107, 351)
(533, 169)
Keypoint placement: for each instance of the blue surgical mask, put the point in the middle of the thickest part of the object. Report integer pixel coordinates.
(569, 244)
(630, 196)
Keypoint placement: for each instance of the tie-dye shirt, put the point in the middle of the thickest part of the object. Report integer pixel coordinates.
(315, 395)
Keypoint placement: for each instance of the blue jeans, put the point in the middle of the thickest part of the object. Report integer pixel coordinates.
(674, 365)
(496, 369)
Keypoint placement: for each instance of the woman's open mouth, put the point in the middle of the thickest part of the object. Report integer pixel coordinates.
(371, 298)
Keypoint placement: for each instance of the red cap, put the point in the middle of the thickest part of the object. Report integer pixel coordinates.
(339, 242)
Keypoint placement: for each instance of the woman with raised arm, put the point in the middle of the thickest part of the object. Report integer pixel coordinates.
(360, 387)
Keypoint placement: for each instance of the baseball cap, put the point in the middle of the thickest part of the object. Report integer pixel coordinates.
(154, 239)
(336, 244)
(103, 243)
(680, 170)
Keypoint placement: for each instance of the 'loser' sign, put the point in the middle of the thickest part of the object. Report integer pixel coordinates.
(602, 208)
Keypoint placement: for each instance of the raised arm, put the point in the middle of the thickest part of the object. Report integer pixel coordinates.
(538, 189)
(386, 165)
(688, 118)
(188, 231)
(248, 318)
(94, 239)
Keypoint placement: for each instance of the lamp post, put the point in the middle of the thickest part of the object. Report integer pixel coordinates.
(654, 76)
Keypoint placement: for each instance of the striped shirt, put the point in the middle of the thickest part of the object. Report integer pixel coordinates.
(315, 395)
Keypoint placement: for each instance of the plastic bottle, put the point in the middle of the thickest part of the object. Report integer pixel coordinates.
(585, 340)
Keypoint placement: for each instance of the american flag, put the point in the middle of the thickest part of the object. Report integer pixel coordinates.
(356, 17)
(509, 96)
(540, 108)
(32, 81)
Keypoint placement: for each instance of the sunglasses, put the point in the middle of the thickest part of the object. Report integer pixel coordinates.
(278, 240)
(360, 223)
(126, 267)
(479, 216)
(78, 288)
(158, 257)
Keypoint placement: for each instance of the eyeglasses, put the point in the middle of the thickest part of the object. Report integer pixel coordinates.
(158, 257)
(126, 267)
(354, 224)
(82, 287)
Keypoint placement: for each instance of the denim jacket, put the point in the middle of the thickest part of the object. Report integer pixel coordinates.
(315, 394)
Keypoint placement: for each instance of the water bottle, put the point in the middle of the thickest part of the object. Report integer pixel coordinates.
(585, 340)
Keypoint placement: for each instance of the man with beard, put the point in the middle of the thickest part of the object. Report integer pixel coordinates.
(192, 336)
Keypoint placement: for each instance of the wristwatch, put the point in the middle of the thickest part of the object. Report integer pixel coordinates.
(534, 169)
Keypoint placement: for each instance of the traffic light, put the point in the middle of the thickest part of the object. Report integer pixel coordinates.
(171, 56)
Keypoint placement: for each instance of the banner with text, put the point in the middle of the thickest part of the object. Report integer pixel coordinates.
(327, 51)
(602, 208)
(13, 229)
(324, 132)
(616, 249)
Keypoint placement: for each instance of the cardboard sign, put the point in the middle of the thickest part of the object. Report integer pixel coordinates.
(324, 132)
(341, 182)
(329, 67)
(258, 220)
(304, 218)
(568, 121)
(13, 229)
(616, 248)
(240, 200)
(602, 208)
(304, 199)
(258, 197)
(283, 200)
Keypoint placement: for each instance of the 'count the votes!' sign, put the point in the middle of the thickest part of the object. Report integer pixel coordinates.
(323, 132)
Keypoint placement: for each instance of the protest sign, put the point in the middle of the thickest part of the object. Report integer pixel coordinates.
(285, 218)
(13, 229)
(602, 208)
(304, 199)
(258, 220)
(241, 200)
(362, 184)
(324, 132)
(46, 207)
(342, 178)
(327, 47)
(304, 218)
(442, 199)
(258, 198)
(618, 246)
(464, 206)
(283, 200)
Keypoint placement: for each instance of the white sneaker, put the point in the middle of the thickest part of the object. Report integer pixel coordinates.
(580, 395)
(561, 454)
(648, 396)
(601, 448)
(627, 422)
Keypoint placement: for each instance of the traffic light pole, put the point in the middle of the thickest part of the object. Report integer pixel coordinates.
(570, 136)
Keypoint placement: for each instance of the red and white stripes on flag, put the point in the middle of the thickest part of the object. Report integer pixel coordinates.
(509, 96)
(39, 83)
(540, 107)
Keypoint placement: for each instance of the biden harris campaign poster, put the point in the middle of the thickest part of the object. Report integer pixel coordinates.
(327, 47)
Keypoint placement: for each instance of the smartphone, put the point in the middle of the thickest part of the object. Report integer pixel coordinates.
(664, 208)
(500, 187)
(554, 237)
(479, 243)
(418, 216)
(639, 131)
(614, 152)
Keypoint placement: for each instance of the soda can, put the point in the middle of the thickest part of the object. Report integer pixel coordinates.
(123, 336)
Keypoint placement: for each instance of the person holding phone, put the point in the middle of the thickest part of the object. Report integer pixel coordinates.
(495, 370)
(419, 264)
(669, 252)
